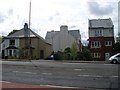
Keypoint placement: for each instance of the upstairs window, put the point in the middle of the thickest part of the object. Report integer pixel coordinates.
(98, 32)
(12, 42)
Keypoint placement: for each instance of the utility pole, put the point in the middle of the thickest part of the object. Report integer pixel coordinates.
(29, 51)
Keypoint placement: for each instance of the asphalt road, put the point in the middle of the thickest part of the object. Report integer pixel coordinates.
(67, 74)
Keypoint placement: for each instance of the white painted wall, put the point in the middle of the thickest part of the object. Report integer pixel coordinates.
(5, 44)
(105, 32)
(61, 40)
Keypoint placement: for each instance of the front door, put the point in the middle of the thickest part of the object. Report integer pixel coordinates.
(41, 54)
(107, 55)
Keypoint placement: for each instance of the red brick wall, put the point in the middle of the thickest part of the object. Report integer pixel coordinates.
(104, 49)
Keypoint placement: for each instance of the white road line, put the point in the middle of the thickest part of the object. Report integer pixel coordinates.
(78, 69)
(90, 76)
(115, 76)
(15, 71)
(73, 63)
(96, 76)
(58, 86)
(30, 72)
(47, 73)
(24, 72)
(5, 82)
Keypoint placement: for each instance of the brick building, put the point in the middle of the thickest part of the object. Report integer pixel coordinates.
(101, 38)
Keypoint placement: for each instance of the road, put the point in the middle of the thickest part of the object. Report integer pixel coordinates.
(65, 74)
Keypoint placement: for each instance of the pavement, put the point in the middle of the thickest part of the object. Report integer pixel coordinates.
(69, 61)
(7, 85)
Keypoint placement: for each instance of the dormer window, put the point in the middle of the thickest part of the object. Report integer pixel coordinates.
(12, 42)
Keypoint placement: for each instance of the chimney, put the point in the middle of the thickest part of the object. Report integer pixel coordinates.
(64, 28)
(25, 30)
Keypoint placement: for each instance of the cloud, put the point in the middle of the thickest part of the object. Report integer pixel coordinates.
(10, 12)
(73, 26)
(51, 18)
(2, 17)
(99, 10)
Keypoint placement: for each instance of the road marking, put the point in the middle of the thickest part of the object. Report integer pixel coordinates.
(24, 72)
(47, 73)
(96, 76)
(74, 63)
(115, 76)
(30, 72)
(90, 76)
(5, 82)
(15, 71)
(58, 86)
(77, 69)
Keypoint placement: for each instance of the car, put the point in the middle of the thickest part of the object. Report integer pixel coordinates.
(115, 58)
(51, 57)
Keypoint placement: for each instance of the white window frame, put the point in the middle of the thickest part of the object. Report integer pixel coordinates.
(95, 44)
(98, 32)
(96, 55)
(108, 43)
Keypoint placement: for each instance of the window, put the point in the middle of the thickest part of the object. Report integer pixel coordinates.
(3, 45)
(98, 32)
(108, 43)
(96, 55)
(12, 42)
(95, 44)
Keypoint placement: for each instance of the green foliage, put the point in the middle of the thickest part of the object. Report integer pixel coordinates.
(0, 39)
(74, 51)
(117, 47)
(58, 55)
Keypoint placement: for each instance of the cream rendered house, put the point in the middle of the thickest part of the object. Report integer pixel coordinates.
(63, 39)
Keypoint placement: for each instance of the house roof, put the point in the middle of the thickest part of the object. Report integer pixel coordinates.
(20, 34)
(105, 23)
(74, 33)
(50, 34)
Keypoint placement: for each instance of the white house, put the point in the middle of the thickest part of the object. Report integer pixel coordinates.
(63, 39)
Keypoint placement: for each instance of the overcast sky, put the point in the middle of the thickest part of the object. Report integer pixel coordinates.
(47, 15)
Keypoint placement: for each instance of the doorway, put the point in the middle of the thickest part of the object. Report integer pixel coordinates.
(41, 54)
(107, 55)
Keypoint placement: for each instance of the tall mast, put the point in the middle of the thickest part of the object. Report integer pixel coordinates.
(29, 51)
(29, 14)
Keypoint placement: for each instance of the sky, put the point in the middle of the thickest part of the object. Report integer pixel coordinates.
(47, 15)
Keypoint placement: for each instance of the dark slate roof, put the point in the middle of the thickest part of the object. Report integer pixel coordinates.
(20, 34)
(75, 33)
(105, 23)
(50, 34)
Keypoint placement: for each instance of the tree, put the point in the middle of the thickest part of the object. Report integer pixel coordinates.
(0, 39)
(74, 50)
(117, 45)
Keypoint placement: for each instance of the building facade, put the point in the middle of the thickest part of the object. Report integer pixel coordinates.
(25, 44)
(63, 39)
(101, 38)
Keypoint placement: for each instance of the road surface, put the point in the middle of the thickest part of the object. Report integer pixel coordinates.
(63, 74)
